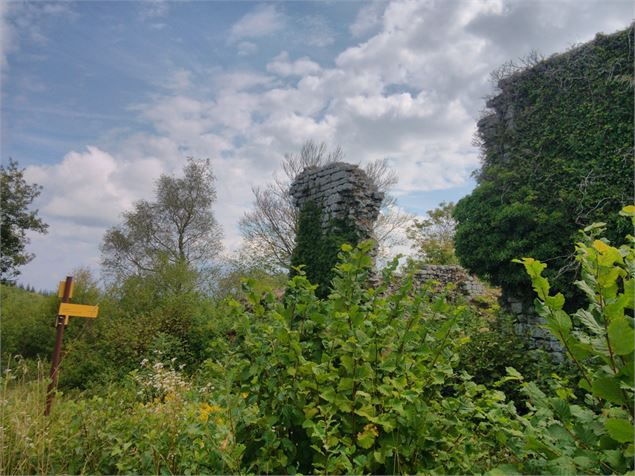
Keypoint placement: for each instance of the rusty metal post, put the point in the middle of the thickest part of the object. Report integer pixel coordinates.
(55, 359)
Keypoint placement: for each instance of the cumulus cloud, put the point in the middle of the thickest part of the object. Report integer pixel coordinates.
(368, 18)
(89, 188)
(262, 21)
(282, 66)
(410, 91)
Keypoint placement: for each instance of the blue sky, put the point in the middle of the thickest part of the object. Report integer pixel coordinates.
(100, 98)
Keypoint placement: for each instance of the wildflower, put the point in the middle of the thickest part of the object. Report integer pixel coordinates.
(206, 409)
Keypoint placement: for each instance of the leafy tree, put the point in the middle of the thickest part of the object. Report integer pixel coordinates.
(557, 150)
(179, 227)
(433, 237)
(269, 230)
(16, 196)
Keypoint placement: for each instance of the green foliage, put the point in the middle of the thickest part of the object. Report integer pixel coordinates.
(360, 382)
(562, 158)
(316, 249)
(433, 238)
(587, 426)
(178, 227)
(367, 380)
(493, 347)
(160, 312)
(27, 323)
(16, 196)
(163, 313)
(153, 422)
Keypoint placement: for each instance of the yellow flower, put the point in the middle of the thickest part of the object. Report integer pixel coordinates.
(206, 409)
(171, 396)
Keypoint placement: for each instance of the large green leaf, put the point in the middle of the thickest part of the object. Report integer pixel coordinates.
(621, 336)
(589, 321)
(619, 429)
(607, 388)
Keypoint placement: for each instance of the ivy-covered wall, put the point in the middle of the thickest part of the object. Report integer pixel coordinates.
(318, 244)
(337, 204)
(557, 145)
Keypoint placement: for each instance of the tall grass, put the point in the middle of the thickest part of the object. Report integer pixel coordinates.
(154, 422)
(24, 431)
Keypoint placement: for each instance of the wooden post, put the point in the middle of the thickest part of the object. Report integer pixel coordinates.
(55, 359)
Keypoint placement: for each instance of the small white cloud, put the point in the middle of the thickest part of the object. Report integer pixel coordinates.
(7, 35)
(368, 18)
(246, 48)
(26, 22)
(241, 80)
(316, 31)
(180, 80)
(282, 66)
(153, 9)
(262, 21)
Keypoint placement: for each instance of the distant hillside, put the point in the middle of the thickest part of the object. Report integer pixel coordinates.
(27, 322)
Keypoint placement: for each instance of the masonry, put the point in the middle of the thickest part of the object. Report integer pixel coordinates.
(343, 191)
(467, 285)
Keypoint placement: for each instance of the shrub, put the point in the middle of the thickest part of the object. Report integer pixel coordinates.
(592, 433)
(357, 382)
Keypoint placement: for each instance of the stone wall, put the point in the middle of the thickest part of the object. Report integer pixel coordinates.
(528, 325)
(466, 284)
(343, 191)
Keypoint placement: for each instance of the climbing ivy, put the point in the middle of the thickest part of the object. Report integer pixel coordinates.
(317, 247)
(561, 158)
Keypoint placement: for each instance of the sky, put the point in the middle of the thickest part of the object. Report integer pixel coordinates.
(98, 99)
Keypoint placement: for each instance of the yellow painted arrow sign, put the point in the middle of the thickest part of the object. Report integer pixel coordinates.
(78, 310)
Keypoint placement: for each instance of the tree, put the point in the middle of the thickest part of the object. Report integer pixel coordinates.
(433, 238)
(16, 196)
(557, 147)
(269, 230)
(178, 228)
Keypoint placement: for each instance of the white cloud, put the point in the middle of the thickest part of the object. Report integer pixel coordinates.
(411, 92)
(26, 22)
(368, 18)
(316, 31)
(180, 80)
(246, 48)
(83, 189)
(7, 35)
(153, 9)
(262, 21)
(282, 66)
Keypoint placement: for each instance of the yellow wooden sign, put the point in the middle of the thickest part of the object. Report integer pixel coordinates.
(78, 310)
(60, 289)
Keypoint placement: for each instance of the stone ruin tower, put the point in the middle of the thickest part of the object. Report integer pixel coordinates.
(343, 191)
